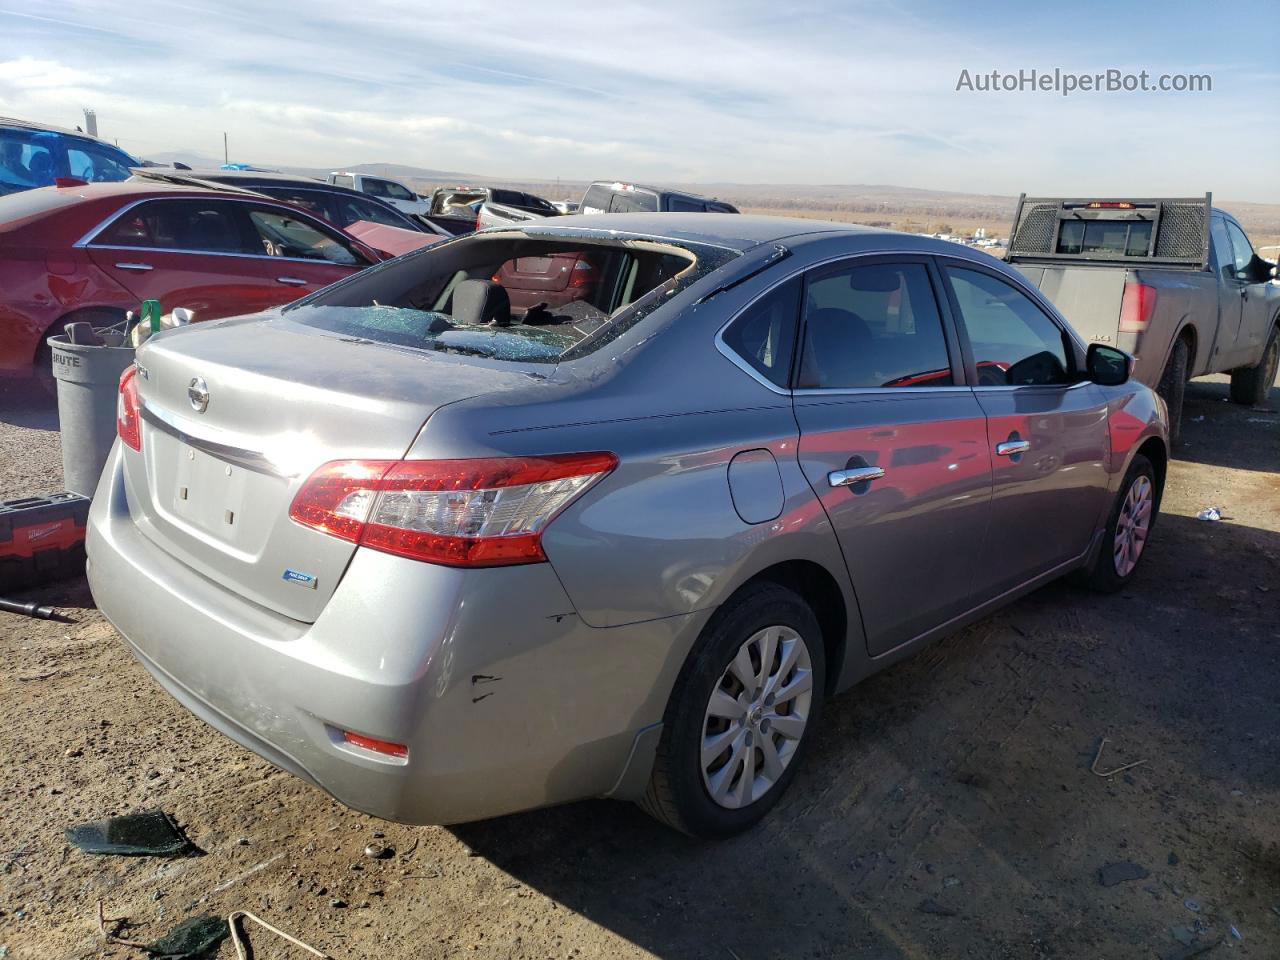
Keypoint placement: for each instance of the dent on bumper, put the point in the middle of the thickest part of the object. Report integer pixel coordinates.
(506, 700)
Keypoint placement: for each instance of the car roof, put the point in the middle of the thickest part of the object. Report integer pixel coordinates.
(732, 230)
(96, 191)
(741, 232)
(17, 124)
(246, 179)
(265, 176)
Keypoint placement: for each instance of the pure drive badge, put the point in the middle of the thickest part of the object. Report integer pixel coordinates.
(301, 579)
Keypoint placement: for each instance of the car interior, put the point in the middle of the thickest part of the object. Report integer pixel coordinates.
(454, 290)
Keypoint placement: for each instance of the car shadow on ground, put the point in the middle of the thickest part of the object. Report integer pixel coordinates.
(1253, 441)
(26, 403)
(948, 808)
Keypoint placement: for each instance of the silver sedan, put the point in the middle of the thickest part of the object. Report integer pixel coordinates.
(447, 558)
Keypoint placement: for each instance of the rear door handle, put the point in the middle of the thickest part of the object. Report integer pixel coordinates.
(291, 281)
(847, 478)
(1011, 447)
(133, 266)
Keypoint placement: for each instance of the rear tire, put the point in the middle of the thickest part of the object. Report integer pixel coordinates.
(1251, 386)
(764, 745)
(1128, 529)
(1173, 386)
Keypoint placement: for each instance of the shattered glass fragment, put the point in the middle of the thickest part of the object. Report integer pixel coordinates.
(190, 940)
(150, 834)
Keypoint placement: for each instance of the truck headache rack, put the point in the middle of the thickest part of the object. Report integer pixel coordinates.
(1178, 232)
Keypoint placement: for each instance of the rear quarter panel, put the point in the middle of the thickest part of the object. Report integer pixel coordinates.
(1186, 304)
(41, 283)
(660, 536)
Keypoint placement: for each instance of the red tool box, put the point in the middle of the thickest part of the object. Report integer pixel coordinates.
(42, 538)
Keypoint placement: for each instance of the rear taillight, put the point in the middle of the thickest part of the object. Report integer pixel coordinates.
(583, 274)
(461, 513)
(127, 409)
(1136, 308)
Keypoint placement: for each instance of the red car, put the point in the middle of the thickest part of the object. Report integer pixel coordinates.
(555, 280)
(91, 252)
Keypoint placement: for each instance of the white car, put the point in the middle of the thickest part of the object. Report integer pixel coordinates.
(394, 192)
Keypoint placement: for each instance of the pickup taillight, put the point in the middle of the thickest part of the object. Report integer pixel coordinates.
(1137, 307)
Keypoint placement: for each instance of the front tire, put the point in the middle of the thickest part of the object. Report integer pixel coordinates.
(1250, 386)
(1128, 529)
(741, 715)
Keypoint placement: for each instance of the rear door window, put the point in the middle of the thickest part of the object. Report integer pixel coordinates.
(633, 201)
(343, 181)
(1014, 342)
(875, 325)
(764, 335)
(677, 204)
(196, 225)
(347, 210)
(1241, 251)
(386, 189)
(1223, 258)
(596, 199)
(311, 200)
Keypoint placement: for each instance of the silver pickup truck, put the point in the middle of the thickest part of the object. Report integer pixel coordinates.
(1175, 282)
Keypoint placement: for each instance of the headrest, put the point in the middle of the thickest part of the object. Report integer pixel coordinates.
(480, 302)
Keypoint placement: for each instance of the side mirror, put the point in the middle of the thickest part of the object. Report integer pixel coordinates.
(182, 316)
(1108, 366)
(1259, 270)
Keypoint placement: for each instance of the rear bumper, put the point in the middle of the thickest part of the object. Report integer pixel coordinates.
(506, 700)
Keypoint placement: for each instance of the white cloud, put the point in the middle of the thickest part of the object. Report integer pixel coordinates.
(858, 93)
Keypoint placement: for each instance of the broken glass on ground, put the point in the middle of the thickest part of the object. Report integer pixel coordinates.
(150, 834)
(189, 940)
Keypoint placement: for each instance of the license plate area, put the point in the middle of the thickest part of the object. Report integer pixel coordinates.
(208, 493)
(210, 502)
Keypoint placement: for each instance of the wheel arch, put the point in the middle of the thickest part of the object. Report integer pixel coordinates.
(1188, 332)
(1155, 450)
(97, 311)
(816, 585)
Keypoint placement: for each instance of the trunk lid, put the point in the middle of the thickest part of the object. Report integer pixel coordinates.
(212, 487)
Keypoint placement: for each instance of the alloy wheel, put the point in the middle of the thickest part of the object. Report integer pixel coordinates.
(1133, 525)
(756, 716)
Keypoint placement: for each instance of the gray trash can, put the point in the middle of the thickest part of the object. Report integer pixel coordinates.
(88, 384)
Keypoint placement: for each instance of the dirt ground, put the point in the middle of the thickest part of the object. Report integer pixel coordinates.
(948, 810)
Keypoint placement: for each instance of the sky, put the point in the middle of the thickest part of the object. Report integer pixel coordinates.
(693, 92)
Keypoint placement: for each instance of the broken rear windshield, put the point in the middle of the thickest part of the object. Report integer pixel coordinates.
(511, 296)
